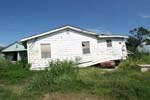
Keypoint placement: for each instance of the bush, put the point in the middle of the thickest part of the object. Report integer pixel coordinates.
(13, 73)
(58, 68)
(60, 75)
(137, 58)
(23, 64)
(128, 64)
(141, 57)
(4, 64)
(125, 83)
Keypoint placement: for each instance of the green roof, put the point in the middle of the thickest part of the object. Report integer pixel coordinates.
(16, 46)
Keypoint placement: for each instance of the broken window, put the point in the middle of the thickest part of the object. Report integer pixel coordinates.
(86, 47)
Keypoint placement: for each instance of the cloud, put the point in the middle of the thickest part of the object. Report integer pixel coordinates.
(145, 15)
(100, 30)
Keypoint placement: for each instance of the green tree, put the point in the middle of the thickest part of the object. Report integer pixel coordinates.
(138, 35)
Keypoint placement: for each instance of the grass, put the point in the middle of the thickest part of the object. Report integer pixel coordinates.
(64, 81)
(13, 73)
(131, 62)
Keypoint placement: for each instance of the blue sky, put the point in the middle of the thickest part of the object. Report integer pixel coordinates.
(22, 18)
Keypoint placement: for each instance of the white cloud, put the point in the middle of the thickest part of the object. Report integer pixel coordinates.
(145, 15)
(100, 30)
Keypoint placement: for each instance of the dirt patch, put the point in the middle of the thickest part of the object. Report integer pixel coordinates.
(16, 88)
(70, 96)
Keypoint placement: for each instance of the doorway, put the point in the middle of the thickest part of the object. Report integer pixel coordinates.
(15, 54)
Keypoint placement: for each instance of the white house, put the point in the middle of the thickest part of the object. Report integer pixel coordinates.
(69, 42)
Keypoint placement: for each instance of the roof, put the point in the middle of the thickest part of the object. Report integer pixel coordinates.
(112, 36)
(16, 46)
(68, 27)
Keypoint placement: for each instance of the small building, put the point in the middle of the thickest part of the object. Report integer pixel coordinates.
(69, 42)
(144, 47)
(15, 52)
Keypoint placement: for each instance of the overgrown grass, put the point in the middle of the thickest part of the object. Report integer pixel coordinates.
(130, 85)
(125, 83)
(13, 72)
(60, 76)
(6, 94)
(131, 62)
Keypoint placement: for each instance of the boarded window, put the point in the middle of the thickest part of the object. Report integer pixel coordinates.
(45, 51)
(109, 43)
(86, 47)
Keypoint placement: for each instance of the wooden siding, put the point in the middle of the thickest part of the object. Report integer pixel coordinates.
(67, 44)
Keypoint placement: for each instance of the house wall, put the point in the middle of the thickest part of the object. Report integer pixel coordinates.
(67, 44)
(116, 52)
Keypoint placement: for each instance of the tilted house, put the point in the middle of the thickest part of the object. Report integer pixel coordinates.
(70, 43)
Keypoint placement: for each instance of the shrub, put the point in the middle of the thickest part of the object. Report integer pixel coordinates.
(137, 58)
(13, 73)
(4, 64)
(141, 57)
(128, 64)
(58, 68)
(23, 64)
(61, 75)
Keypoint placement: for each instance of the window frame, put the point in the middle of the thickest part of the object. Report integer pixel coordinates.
(45, 52)
(109, 43)
(83, 49)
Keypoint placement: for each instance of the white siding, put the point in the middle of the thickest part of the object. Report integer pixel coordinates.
(68, 45)
(111, 53)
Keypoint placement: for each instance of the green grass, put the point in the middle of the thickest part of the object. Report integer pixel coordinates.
(64, 80)
(13, 73)
(6, 94)
(131, 62)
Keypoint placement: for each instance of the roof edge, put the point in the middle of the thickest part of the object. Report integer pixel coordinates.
(58, 29)
(112, 36)
(73, 28)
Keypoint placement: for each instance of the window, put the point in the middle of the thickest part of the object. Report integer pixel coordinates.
(109, 43)
(45, 51)
(86, 47)
(16, 46)
(119, 42)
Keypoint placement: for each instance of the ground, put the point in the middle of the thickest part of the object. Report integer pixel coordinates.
(92, 83)
(18, 88)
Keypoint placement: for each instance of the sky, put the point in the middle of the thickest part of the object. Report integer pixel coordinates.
(22, 18)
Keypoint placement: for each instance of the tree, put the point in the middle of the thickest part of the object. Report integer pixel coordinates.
(138, 36)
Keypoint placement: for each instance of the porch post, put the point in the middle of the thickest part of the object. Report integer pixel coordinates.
(18, 56)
